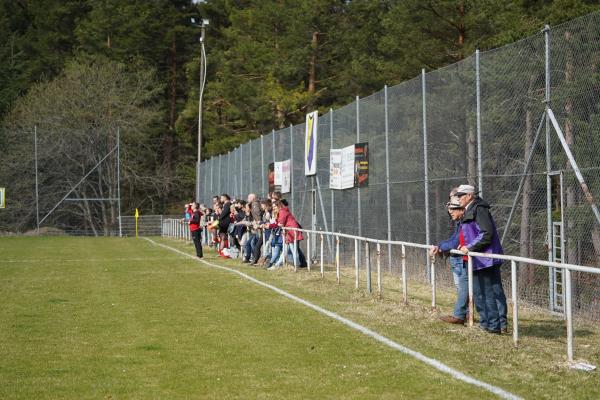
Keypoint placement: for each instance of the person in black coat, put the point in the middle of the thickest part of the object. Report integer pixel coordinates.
(224, 220)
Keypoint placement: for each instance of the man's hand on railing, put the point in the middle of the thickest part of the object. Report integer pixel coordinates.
(463, 249)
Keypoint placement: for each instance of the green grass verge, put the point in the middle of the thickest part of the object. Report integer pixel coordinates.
(536, 369)
(120, 318)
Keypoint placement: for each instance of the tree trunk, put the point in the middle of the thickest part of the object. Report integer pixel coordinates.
(312, 64)
(462, 32)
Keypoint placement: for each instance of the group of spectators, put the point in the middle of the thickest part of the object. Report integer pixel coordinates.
(473, 229)
(250, 229)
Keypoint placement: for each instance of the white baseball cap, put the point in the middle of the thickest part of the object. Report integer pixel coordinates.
(465, 189)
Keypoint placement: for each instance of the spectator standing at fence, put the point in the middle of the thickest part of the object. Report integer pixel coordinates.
(285, 219)
(265, 233)
(459, 270)
(478, 233)
(196, 229)
(253, 238)
(224, 220)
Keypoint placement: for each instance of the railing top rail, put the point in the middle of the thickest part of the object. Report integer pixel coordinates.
(572, 267)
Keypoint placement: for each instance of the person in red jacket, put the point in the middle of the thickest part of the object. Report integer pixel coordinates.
(195, 228)
(285, 219)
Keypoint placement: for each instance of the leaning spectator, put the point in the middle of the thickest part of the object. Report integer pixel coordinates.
(478, 234)
(457, 264)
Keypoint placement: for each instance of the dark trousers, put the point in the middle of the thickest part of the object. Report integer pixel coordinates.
(197, 238)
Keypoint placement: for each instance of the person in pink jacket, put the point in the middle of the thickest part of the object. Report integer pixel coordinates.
(285, 219)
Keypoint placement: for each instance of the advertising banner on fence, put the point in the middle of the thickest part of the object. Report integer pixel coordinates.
(310, 146)
(361, 164)
(286, 181)
(279, 176)
(341, 168)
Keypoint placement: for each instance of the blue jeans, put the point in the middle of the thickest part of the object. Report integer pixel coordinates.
(485, 298)
(276, 254)
(461, 281)
(250, 245)
(300, 259)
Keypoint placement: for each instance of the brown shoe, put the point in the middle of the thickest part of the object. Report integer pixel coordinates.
(452, 319)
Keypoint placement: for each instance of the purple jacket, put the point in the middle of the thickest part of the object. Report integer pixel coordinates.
(480, 234)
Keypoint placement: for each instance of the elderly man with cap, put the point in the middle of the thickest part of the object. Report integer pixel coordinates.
(457, 264)
(478, 233)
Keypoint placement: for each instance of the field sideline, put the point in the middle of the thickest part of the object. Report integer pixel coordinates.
(122, 318)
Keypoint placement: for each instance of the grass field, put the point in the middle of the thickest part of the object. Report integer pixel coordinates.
(121, 318)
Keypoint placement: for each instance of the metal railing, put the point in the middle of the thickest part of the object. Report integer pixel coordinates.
(567, 269)
(173, 228)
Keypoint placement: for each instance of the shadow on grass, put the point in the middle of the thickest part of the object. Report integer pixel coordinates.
(549, 329)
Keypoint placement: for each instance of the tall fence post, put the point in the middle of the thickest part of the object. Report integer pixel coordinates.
(292, 168)
(251, 183)
(273, 136)
(478, 100)
(331, 190)
(358, 189)
(37, 196)
(228, 173)
(221, 186)
(241, 171)
(548, 161)
(118, 181)
(212, 174)
(425, 165)
(262, 164)
(387, 178)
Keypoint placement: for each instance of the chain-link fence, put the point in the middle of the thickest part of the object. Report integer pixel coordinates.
(480, 121)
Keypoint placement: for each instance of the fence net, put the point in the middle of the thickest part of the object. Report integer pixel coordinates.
(501, 144)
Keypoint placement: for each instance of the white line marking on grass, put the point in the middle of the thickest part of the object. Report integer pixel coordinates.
(388, 342)
(55, 260)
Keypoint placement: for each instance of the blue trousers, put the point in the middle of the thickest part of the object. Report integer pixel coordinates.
(461, 281)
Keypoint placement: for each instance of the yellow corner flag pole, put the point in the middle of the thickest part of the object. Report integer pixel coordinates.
(137, 215)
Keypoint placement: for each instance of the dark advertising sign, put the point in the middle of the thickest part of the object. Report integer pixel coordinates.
(361, 164)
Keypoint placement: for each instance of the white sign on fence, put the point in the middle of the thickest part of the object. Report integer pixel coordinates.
(341, 168)
(283, 175)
